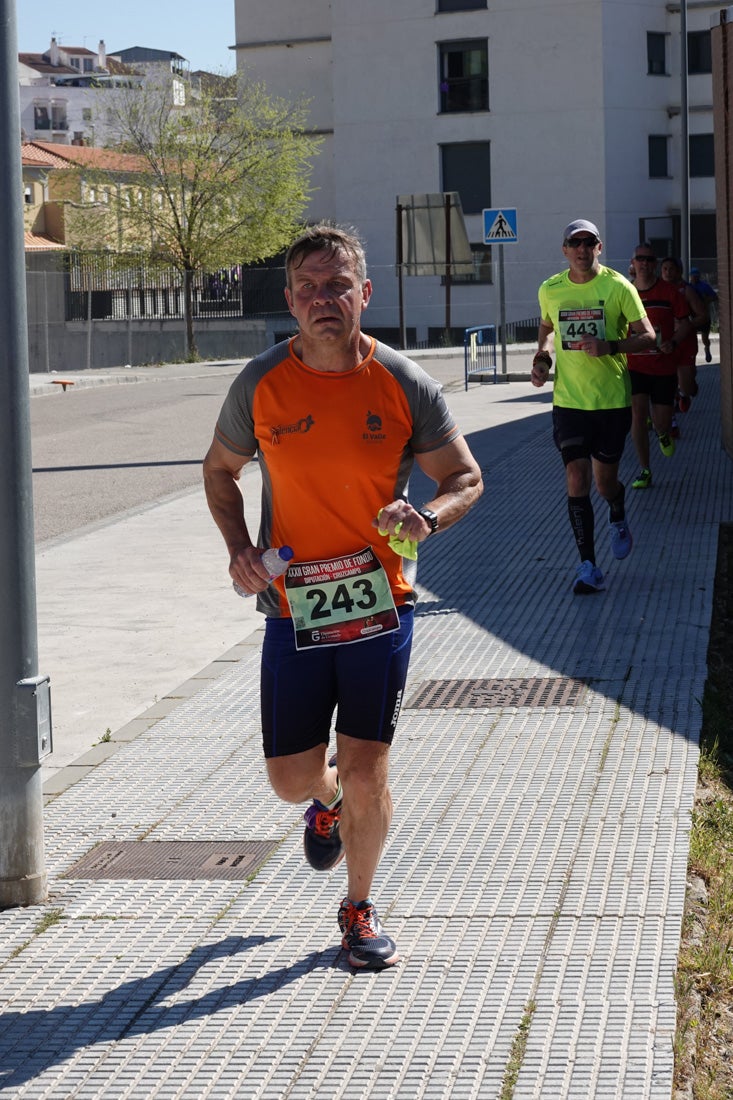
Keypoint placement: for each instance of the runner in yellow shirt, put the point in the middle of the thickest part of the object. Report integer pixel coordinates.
(594, 316)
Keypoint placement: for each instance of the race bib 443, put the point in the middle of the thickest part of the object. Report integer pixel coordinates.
(576, 325)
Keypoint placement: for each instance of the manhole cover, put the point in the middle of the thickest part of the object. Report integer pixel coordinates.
(173, 859)
(559, 691)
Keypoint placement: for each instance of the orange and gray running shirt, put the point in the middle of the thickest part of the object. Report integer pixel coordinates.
(333, 449)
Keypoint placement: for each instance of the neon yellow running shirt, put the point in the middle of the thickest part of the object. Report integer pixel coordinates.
(603, 308)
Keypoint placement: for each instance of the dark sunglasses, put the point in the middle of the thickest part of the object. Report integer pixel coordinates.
(646, 259)
(575, 242)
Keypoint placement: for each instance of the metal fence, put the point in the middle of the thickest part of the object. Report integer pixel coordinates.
(99, 289)
(479, 352)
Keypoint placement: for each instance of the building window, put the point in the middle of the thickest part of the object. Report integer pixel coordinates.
(658, 156)
(461, 5)
(656, 53)
(28, 194)
(41, 121)
(466, 168)
(703, 243)
(179, 93)
(702, 155)
(58, 118)
(464, 75)
(699, 52)
(482, 269)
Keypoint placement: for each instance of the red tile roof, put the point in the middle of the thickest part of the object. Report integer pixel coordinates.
(67, 155)
(39, 242)
(32, 155)
(42, 64)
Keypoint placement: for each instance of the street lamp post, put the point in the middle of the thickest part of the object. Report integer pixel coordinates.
(685, 147)
(25, 719)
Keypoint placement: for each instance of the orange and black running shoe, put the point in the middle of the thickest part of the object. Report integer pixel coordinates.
(321, 838)
(369, 946)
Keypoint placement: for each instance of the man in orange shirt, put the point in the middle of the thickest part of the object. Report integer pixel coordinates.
(337, 421)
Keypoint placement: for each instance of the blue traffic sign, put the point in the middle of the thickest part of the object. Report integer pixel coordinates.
(500, 225)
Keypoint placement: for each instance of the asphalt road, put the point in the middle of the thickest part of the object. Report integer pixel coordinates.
(105, 451)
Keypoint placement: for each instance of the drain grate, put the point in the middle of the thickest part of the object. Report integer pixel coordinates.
(559, 691)
(172, 859)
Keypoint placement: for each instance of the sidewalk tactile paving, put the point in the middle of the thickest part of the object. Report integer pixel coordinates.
(536, 865)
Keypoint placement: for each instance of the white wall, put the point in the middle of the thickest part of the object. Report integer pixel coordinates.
(571, 107)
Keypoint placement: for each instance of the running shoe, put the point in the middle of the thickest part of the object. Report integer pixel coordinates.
(708, 354)
(666, 446)
(621, 540)
(321, 837)
(644, 480)
(369, 946)
(588, 579)
(683, 401)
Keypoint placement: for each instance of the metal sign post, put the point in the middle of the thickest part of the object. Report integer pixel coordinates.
(25, 709)
(500, 227)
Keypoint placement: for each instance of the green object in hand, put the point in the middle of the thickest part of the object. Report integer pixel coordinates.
(406, 548)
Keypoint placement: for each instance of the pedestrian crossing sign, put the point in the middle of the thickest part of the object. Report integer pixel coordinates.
(500, 226)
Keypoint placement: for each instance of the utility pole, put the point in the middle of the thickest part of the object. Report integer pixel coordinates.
(25, 707)
(685, 148)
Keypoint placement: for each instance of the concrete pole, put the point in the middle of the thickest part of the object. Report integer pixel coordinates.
(22, 869)
(685, 148)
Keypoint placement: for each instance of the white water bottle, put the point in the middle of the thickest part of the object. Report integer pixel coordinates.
(275, 560)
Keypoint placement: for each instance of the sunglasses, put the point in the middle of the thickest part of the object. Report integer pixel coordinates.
(646, 259)
(576, 242)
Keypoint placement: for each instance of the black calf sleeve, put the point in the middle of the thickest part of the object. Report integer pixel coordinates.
(582, 521)
(616, 509)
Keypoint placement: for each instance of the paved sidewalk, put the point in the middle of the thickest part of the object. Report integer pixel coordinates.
(543, 775)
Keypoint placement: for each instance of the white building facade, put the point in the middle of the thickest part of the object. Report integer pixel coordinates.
(559, 110)
(58, 89)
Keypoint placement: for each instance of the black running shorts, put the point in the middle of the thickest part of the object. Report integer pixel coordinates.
(599, 434)
(363, 682)
(661, 388)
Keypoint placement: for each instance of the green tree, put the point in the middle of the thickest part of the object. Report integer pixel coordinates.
(220, 181)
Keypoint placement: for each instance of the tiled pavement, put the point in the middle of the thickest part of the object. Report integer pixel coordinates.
(535, 873)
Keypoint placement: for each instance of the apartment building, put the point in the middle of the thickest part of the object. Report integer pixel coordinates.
(556, 110)
(58, 101)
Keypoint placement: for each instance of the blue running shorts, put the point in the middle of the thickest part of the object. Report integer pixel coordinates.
(363, 682)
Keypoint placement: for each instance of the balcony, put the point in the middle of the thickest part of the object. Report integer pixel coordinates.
(58, 125)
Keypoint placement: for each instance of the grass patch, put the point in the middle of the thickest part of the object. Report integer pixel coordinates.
(704, 979)
(519, 1046)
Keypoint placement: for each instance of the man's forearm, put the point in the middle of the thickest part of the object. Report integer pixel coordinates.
(227, 507)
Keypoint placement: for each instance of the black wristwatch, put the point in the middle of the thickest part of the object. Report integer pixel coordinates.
(430, 517)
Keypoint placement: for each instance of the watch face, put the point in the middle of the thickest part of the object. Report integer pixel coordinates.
(431, 517)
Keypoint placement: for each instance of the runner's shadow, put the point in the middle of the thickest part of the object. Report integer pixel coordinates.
(31, 1042)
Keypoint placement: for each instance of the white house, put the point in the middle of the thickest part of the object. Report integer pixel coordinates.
(58, 100)
(559, 110)
(57, 93)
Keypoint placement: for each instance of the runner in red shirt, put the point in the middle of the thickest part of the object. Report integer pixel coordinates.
(654, 372)
(687, 345)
